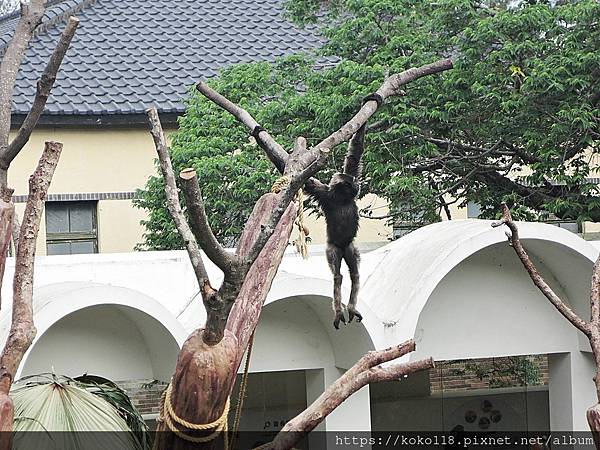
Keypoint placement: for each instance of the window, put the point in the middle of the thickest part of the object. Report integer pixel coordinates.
(570, 225)
(71, 228)
(473, 210)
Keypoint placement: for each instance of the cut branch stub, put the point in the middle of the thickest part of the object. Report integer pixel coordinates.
(187, 174)
(199, 223)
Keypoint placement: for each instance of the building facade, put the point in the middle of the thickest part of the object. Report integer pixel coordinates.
(456, 287)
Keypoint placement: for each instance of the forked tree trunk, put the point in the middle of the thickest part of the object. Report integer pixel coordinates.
(205, 375)
(210, 358)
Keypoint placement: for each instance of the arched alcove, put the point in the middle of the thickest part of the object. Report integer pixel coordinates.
(113, 331)
(114, 341)
(487, 306)
(296, 354)
(461, 292)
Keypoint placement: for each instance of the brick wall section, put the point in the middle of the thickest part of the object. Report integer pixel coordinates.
(456, 376)
(144, 394)
(448, 376)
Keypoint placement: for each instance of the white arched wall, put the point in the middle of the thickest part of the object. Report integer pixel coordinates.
(296, 333)
(121, 330)
(461, 292)
(100, 340)
(487, 306)
(402, 277)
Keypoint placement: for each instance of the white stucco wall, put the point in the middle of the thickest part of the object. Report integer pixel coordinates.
(488, 307)
(95, 335)
(456, 287)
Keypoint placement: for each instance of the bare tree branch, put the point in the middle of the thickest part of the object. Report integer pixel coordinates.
(591, 329)
(367, 370)
(390, 87)
(22, 329)
(173, 205)
(199, 223)
(44, 87)
(535, 276)
(7, 211)
(274, 151)
(31, 16)
(16, 228)
(595, 295)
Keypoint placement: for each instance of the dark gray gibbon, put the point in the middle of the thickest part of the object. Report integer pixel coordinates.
(338, 203)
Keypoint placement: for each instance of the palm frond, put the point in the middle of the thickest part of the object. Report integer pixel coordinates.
(60, 412)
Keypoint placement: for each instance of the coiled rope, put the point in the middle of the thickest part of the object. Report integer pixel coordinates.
(169, 416)
(301, 243)
(167, 413)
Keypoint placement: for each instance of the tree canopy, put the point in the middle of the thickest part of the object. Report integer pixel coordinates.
(516, 120)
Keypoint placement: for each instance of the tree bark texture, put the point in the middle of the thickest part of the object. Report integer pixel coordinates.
(31, 16)
(205, 374)
(7, 213)
(591, 328)
(22, 330)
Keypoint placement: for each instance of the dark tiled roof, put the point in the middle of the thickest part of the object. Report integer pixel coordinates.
(127, 55)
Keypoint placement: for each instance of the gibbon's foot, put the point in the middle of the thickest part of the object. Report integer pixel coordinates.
(352, 313)
(339, 317)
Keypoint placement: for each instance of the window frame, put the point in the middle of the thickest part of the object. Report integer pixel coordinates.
(75, 236)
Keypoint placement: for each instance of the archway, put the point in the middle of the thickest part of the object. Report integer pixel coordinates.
(105, 330)
(463, 294)
(296, 354)
(114, 341)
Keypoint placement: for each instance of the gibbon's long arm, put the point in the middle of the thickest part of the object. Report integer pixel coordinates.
(315, 188)
(356, 146)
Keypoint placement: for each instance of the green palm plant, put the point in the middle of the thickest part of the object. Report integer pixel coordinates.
(87, 412)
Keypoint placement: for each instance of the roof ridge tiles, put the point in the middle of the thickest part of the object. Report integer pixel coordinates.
(53, 18)
(150, 52)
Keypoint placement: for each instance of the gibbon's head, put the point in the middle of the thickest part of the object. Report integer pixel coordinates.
(344, 185)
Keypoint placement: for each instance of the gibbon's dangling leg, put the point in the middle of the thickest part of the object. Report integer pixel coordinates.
(352, 258)
(338, 203)
(334, 258)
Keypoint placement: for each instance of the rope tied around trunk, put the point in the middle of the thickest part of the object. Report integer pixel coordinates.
(301, 243)
(220, 425)
(170, 417)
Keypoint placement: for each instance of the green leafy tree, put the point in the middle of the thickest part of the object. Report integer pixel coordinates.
(516, 120)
